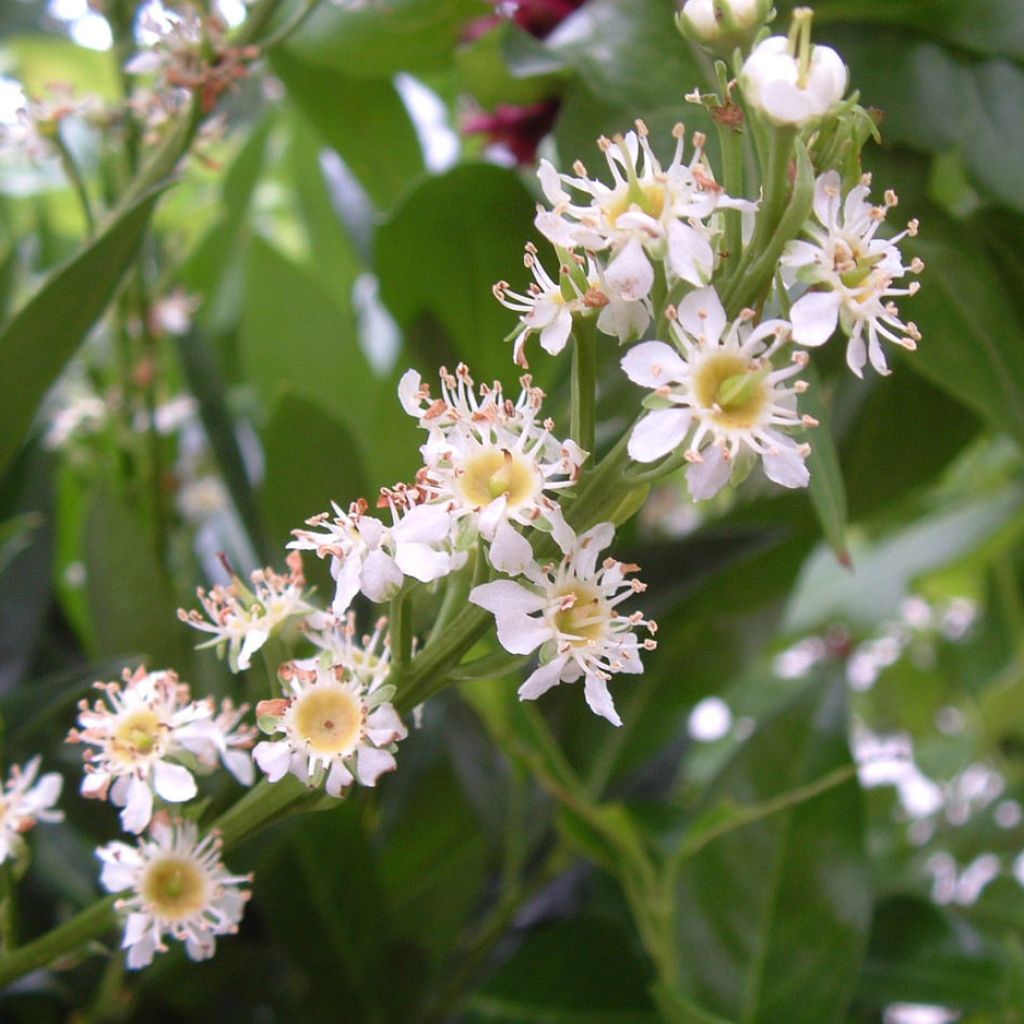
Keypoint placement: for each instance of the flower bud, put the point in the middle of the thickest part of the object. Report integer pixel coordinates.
(790, 81)
(722, 25)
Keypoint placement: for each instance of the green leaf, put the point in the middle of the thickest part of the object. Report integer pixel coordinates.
(828, 491)
(311, 460)
(886, 569)
(41, 337)
(376, 40)
(993, 27)
(442, 250)
(364, 120)
(921, 953)
(973, 343)
(293, 333)
(133, 606)
(935, 101)
(574, 972)
(772, 918)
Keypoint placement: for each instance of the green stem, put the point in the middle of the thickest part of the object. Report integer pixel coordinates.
(668, 465)
(400, 630)
(584, 383)
(84, 927)
(776, 187)
(731, 143)
(74, 176)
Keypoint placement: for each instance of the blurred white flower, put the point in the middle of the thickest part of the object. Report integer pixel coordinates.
(137, 733)
(24, 801)
(173, 884)
(243, 619)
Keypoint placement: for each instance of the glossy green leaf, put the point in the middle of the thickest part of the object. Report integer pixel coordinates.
(574, 972)
(121, 566)
(993, 27)
(377, 40)
(294, 333)
(935, 101)
(772, 918)
(364, 120)
(440, 254)
(885, 570)
(41, 337)
(312, 460)
(973, 343)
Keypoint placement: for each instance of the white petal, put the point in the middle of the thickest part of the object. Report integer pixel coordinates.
(786, 467)
(347, 578)
(625, 320)
(422, 562)
(510, 551)
(595, 689)
(173, 782)
(705, 479)
(702, 316)
(689, 253)
(427, 524)
(239, 763)
(408, 387)
(372, 763)
(815, 316)
(139, 807)
(590, 546)
(380, 577)
(630, 273)
(518, 633)
(827, 190)
(383, 726)
(555, 334)
(338, 779)
(273, 758)
(653, 364)
(505, 596)
(542, 680)
(658, 433)
(254, 640)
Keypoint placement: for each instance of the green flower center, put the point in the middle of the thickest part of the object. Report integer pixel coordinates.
(738, 392)
(176, 887)
(585, 620)
(493, 473)
(137, 735)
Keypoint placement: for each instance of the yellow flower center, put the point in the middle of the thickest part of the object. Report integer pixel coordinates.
(725, 381)
(585, 620)
(492, 473)
(138, 735)
(649, 197)
(176, 887)
(329, 719)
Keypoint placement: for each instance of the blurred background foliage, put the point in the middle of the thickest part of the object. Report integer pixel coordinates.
(829, 759)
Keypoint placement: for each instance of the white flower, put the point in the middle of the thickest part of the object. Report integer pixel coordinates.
(718, 395)
(851, 273)
(172, 40)
(647, 213)
(548, 306)
(369, 557)
(33, 134)
(173, 884)
(489, 460)
(367, 659)
(790, 81)
(138, 735)
(23, 802)
(242, 619)
(708, 21)
(223, 738)
(569, 611)
(335, 727)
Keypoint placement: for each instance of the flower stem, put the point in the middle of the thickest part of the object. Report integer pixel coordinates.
(584, 383)
(74, 176)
